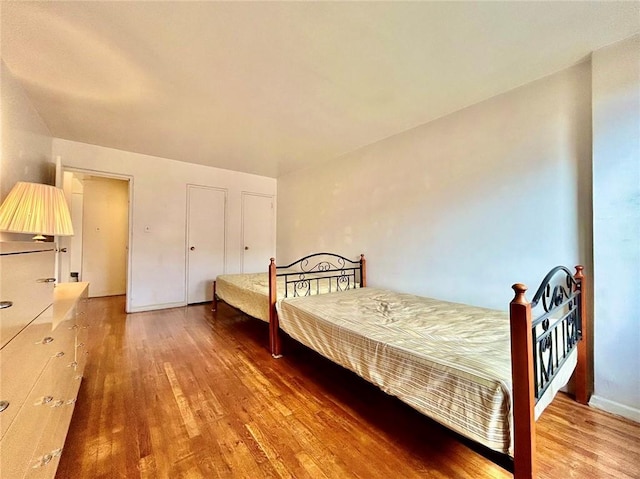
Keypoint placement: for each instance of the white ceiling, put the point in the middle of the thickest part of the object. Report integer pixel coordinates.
(267, 88)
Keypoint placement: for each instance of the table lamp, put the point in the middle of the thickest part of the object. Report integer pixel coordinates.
(34, 208)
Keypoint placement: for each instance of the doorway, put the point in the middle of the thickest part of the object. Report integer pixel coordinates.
(99, 250)
(105, 231)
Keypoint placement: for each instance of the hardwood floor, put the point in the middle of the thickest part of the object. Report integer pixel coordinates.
(186, 393)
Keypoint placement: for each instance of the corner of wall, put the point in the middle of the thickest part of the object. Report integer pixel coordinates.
(26, 140)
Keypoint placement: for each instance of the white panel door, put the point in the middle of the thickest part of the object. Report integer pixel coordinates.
(258, 232)
(105, 235)
(205, 240)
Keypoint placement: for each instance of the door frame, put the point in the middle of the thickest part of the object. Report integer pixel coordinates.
(114, 176)
(188, 226)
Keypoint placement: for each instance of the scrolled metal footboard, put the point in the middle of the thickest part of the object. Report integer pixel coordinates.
(557, 330)
(539, 349)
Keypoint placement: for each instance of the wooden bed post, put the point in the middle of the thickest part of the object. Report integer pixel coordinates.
(524, 428)
(274, 326)
(583, 391)
(214, 301)
(363, 271)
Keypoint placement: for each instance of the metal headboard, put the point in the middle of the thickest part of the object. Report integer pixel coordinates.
(321, 273)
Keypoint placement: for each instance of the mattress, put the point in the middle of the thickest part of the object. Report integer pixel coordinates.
(247, 292)
(449, 361)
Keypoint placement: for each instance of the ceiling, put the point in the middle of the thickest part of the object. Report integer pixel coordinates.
(271, 87)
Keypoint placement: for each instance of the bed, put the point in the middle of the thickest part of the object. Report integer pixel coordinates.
(485, 374)
(255, 294)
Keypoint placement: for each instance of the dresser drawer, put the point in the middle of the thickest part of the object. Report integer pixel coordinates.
(41, 359)
(50, 401)
(45, 459)
(23, 360)
(82, 338)
(81, 357)
(78, 317)
(65, 332)
(26, 281)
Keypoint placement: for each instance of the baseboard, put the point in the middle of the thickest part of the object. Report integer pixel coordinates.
(615, 408)
(154, 307)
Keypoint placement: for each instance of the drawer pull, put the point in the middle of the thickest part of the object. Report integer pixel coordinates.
(47, 399)
(72, 364)
(5, 304)
(47, 340)
(80, 345)
(46, 459)
(43, 461)
(75, 326)
(4, 405)
(46, 280)
(58, 403)
(71, 401)
(59, 354)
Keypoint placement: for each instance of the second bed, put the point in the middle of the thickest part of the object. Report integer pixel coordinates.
(483, 373)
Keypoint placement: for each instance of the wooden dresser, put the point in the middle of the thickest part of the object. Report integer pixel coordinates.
(42, 356)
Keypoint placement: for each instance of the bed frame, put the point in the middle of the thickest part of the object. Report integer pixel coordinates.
(539, 347)
(309, 275)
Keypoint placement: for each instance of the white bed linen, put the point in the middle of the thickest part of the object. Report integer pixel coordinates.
(449, 361)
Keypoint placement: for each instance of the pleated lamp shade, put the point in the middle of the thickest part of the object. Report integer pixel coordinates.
(33, 208)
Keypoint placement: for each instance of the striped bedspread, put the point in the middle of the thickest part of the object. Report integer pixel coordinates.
(247, 292)
(449, 361)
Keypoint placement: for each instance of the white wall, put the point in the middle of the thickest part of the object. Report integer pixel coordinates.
(26, 141)
(462, 207)
(616, 225)
(159, 200)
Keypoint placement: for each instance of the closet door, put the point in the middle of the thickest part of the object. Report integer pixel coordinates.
(205, 240)
(258, 232)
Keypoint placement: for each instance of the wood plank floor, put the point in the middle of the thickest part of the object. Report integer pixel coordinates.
(184, 393)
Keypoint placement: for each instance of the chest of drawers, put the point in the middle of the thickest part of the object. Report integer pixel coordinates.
(42, 356)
